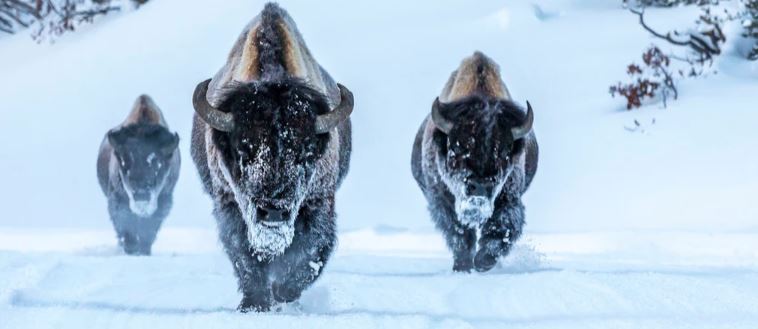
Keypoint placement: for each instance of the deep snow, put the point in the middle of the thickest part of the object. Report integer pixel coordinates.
(650, 229)
(390, 279)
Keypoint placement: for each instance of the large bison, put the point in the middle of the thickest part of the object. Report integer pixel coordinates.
(473, 157)
(271, 141)
(137, 168)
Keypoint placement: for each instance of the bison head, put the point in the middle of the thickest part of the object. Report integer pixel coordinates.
(272, 136)
(479, 141)
(143, 152)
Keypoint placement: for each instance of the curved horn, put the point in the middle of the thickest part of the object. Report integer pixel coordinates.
(326, 122)
(213, 117)
(525, 128)
(439, 120)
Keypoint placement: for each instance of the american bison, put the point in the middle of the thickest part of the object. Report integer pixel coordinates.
(271, 142)
(137, 168)
(473, 157)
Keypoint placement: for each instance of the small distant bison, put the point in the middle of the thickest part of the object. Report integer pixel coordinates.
(473, 157)
(271, 142)
(137, 168)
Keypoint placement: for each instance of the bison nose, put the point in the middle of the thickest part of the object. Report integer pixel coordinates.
(141, 195)
(477, 189)
(266, 214)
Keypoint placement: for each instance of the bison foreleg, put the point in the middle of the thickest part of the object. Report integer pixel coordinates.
(251, 272)
(301, 268)
(498, 235)
(139, 241)
(135, 235)
(304, 260)
(460, 238)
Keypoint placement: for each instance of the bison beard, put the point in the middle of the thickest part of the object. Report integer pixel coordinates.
(473, 211)
(270, 240)
(266, 240)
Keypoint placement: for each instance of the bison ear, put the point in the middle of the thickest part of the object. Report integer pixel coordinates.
(116, 138)
(439, 118)
(170, 144)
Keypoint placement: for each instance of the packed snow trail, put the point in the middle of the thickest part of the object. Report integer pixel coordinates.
(391, 279)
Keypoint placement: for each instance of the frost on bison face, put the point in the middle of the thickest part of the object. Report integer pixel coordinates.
(476, 154)
(144, 153)
(270, 157)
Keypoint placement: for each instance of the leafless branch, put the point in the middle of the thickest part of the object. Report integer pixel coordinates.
(706, 48)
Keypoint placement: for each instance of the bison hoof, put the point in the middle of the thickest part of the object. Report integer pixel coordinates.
(249, 304)
(136, 251)
(484, 262)
(464, 266)
(284, 294)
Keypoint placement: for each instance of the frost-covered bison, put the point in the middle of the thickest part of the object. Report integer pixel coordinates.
(271, 141)
(137, 168)
(473, 158)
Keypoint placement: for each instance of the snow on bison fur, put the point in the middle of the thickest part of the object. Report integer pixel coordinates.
(271, 142)
(473, 157)
(137, 167)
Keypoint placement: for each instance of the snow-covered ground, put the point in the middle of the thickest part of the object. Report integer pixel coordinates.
(389, 279)
(650, 229)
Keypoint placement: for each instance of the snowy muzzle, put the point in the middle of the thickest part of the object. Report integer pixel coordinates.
(142, 203)
(265, 237)
(144, 208)
(474, 210)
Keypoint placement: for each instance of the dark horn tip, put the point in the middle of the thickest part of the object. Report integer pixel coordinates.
(213, 117)
(346, 94)
(438, 119)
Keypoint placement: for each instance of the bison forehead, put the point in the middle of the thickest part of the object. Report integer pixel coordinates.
(275, 122)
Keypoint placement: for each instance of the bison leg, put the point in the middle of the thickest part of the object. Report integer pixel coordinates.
(136, 237)
(302, 263)
(135, 234)
(460, 239)
(498, 235)
(251, 271)
(128, 242)
(146, 233)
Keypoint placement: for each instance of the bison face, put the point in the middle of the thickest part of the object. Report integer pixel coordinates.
(271, 153)
(143, 153)
(479, 141)
(269, 150)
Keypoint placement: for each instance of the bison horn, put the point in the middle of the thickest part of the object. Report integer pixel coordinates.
(326, 122)
(525, 128)
(439, 120)
(213, 117)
